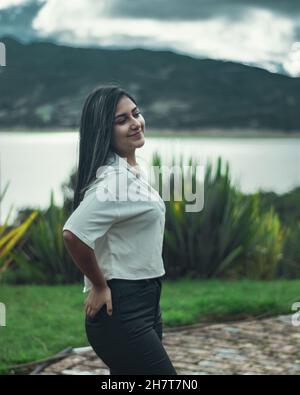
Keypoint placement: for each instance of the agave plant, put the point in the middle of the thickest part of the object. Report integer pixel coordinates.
(229, 233)
(10, 237)
(45, 254)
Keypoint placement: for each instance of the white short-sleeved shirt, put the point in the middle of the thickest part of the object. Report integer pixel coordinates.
(122, 218)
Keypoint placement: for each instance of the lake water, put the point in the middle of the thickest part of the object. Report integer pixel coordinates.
(38, 162)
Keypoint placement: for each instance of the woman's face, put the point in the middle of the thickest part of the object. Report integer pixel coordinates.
(129, 127)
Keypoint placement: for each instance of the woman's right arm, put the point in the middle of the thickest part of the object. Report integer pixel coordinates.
(84, 257)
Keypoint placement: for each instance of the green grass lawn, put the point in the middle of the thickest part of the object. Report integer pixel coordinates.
(43, 320)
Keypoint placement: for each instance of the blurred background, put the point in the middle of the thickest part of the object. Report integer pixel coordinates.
(218, 82)
(227, 71)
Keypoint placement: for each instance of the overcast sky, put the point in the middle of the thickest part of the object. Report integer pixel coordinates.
(265, 33)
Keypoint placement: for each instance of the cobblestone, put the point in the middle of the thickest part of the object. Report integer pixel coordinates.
(269, 346)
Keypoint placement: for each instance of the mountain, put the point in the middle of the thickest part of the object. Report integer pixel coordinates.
(45, 85)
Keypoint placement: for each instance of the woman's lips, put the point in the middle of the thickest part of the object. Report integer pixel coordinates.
(136, 135)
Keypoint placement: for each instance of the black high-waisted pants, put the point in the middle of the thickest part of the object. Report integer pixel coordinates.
(130, 340)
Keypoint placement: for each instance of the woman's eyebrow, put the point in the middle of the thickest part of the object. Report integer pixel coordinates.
(124, 113)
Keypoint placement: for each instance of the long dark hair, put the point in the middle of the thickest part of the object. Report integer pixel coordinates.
(95, 137)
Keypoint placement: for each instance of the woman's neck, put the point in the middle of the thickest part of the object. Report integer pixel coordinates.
(131, 161)
(130, 157)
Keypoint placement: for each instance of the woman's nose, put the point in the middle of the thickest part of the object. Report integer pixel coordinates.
(135, 123)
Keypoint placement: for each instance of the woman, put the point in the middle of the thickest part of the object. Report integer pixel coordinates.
(117, 242)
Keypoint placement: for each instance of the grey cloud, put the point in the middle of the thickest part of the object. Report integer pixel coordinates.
(196, 9)
(176, 9)
(17, 20)
(288, 7)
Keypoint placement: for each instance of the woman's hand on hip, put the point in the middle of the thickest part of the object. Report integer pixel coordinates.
(96, 299)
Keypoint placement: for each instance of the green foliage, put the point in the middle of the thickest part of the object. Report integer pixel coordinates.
(290, 265)
(230, 237)
(264, 254)
(10, 237)
(43, 258)
(286, 205)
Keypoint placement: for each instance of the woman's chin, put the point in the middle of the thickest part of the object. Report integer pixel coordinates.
(139, 143)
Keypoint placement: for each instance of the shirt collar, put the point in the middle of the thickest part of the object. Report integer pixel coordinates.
(116, 160)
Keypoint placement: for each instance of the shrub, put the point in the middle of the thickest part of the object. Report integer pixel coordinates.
(43, 259)
(290, 264)
(230, 237)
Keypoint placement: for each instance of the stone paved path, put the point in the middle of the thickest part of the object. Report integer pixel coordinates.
(269, 346)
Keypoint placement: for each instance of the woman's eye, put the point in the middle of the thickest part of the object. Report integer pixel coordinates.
(124, 120)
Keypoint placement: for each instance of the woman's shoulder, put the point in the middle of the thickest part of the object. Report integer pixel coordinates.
(105, 182)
